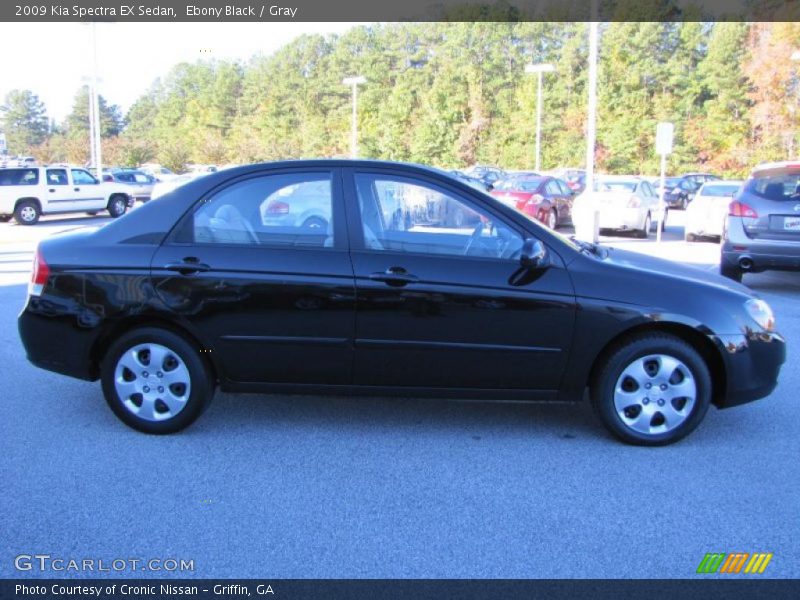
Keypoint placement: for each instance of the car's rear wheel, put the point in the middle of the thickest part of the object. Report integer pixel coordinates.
(552, 219)
(117, 206)
(27, 212)
(315, 223)
(653, 390)
(645, 230)
(730, 271)
(155, 381)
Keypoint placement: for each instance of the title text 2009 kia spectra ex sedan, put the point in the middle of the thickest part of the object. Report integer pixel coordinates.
(393, 279)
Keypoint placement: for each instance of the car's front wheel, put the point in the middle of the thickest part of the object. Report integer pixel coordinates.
(653, 390)
(155, 381)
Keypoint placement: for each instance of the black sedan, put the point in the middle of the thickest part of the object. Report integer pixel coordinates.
(201, 290)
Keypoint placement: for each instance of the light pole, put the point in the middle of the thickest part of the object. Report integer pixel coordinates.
(540, 70)
(354, 83)
(795, 58)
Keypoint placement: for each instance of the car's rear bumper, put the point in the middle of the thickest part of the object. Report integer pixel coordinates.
(762, 254)
(752, 364)
(39, 328)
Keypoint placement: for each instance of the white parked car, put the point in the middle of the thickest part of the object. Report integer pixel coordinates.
(30, 192)
(158, 172)
(705, 216)
(164, 187)
(623, 203)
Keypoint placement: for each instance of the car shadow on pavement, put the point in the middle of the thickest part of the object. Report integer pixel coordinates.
(409, 415)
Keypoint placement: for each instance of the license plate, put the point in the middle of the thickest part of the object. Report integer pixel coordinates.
(791, 223)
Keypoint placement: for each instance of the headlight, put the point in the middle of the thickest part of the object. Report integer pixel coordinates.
(761, 313)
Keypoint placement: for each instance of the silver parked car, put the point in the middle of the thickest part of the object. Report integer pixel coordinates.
(625, 203)
(705, 216)
(762, 231)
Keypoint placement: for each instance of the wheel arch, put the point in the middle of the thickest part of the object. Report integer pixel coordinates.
(104, 341)
(29, 199)
(700, 342)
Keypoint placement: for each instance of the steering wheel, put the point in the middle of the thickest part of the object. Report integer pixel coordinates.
(474, 237)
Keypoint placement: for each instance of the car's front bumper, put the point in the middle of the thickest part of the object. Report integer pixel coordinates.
(752, 363)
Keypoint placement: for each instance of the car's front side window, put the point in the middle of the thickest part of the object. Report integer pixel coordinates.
(81, 177)
(281, 209)
(405, 215)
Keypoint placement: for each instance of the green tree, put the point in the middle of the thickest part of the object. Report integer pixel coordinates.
(25, 122)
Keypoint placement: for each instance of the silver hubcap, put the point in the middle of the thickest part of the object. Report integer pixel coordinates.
(27, 213)
(655, 394)
(152, 381)
(551, 220)
(119, 206)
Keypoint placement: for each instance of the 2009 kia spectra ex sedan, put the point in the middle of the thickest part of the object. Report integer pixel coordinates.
(384, 292)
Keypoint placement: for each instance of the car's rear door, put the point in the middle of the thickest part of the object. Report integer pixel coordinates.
(274, 302)
(445, 306)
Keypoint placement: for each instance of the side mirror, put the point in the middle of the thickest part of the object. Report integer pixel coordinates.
(533, 255)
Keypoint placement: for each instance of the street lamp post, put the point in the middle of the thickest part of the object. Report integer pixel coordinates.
(796, 57)
(354, 83)
(540, 70)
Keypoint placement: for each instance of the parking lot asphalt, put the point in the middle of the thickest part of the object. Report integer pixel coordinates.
(277, 486)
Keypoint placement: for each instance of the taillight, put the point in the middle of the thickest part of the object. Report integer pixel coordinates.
(535, 199)
(634, 202)
(39, 276)
(740, 209)
(277, 207)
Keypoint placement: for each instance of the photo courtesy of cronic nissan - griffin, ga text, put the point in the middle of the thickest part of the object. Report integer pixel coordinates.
(379, 278)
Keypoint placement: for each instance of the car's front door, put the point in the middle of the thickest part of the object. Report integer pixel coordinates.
(273, 298)
(448, 306)
(87, 192)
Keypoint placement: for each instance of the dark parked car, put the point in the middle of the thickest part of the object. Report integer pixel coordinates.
(680, 191)
(544, 198)
(198, 291)
(486, 174)
(762, 231)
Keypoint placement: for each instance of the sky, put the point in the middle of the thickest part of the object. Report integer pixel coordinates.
(52, 59)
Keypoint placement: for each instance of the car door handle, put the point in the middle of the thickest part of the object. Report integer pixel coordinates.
(394, 276)
(187, 266)
(51, 190)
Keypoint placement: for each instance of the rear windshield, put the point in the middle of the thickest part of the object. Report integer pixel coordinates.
(525, 185)
(776, 186)
(19, 176)
(614, 185)
(720, 189)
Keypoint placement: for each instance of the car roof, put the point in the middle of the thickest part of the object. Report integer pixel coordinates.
(785, 164)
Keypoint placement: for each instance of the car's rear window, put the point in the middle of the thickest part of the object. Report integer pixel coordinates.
(527, 185)
(720, 189)
(776, 185)
(614, 185)
(19, 176)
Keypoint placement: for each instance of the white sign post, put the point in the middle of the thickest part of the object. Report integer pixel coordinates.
(664, 134)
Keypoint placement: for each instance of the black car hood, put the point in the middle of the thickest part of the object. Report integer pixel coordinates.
(658, 273)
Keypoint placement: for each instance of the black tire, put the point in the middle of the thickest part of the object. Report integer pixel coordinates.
(644, 232)
(604, 387)
(201, 383)
(27, 212)
(117, 206)
(730, 271)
